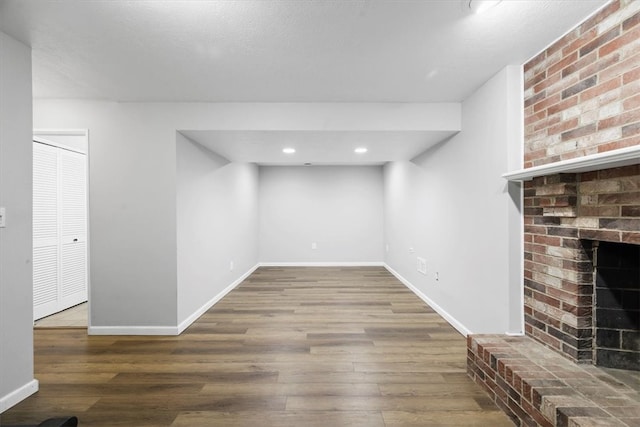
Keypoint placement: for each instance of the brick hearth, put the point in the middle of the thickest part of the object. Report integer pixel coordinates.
(538, 387)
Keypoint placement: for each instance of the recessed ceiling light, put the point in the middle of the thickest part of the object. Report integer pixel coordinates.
(481, 6)
(288, 150)
(360, 150)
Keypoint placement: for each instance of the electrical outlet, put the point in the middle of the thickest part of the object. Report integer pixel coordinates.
(386, 247)
(314, 246)
(3, 217)
(231, 266)
(411, 250)
(437, 276)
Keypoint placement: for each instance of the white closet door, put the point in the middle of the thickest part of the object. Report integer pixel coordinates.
(45, 230)
(73, 251)
(59, 229)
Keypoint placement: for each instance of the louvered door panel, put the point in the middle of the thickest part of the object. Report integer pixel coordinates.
(73, 195)
(45, 281)
(45, 230)
(73, 272)
(59, 229)
(45, 194)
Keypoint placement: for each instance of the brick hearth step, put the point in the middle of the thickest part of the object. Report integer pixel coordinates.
(536, 386)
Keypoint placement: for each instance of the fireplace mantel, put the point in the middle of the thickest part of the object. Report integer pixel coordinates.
(609, 159)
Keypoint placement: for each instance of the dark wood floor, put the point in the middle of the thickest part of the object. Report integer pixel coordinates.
(289, 347)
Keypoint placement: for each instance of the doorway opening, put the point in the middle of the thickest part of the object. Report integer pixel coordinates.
(60, 228)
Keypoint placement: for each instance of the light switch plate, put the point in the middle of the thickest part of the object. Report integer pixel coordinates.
(3, 217)
(422, 265)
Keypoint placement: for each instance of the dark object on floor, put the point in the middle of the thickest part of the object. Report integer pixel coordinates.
(54, 422)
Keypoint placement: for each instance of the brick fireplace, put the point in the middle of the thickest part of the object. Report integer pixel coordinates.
(581, 213)
(582, 98)
(566, 218)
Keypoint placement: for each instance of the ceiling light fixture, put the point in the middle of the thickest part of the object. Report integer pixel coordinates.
(361, 150)
(481, 6)
(288, 150)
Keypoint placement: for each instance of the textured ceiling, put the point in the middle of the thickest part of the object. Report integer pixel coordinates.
(279, 51)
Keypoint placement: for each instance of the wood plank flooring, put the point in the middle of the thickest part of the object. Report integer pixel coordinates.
(288, 347)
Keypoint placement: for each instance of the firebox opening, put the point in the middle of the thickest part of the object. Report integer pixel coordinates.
(617, 305)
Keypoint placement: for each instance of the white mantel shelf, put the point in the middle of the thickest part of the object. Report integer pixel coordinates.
(609, 159)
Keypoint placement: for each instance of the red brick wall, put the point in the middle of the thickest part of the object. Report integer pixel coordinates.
(582, 94)
(564, 213)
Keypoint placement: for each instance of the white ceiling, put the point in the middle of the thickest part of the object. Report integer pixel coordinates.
(280, 51)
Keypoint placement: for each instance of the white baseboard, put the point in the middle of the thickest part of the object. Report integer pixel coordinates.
(132, 330)
(169, 330)
(177, 330)
(442, 312)
(18, 395)
(323, 264)
(199, 312)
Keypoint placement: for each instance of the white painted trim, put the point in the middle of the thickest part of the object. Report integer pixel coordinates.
(520, 332)
(37, 136)
(40, 135)
(132, 330)
(323, 264)
(45, 141)
(442, 312)
(75, 132)
(609, 159)
(9, 400)
(199, 312)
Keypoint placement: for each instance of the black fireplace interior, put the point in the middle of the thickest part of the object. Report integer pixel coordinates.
(617, 305)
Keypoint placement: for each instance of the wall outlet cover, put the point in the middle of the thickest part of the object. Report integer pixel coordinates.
(422, 265)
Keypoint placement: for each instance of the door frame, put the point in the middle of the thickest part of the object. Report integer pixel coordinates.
(56, 138)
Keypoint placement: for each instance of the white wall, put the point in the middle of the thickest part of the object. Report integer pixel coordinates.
(16, 278)
(133, 200)
(132, 210)
(339, 208)
(515, 158)
(217, 214)
(453, 208)
(132, 186)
